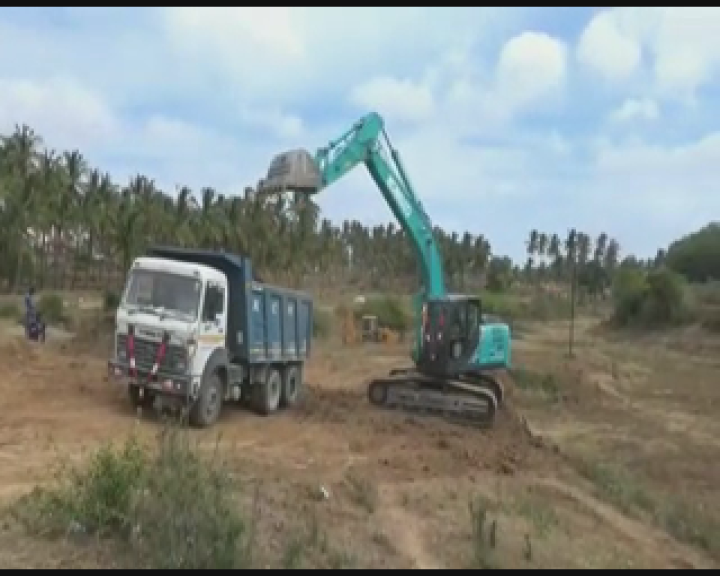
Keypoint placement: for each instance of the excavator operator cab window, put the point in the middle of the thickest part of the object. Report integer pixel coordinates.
(466, 318)
(473, 316)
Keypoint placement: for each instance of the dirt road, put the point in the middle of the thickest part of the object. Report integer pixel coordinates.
(398, 487)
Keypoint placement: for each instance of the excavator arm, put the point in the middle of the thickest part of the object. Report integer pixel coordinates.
(367, 143)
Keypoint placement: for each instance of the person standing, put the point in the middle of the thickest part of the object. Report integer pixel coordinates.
(34, 326)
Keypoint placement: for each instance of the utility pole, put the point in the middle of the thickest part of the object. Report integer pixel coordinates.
(573, 288)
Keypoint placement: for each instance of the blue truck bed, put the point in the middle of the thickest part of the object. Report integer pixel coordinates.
(281, 324)
(265, 323)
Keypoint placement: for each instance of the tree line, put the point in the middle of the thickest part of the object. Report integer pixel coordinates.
(65, 224)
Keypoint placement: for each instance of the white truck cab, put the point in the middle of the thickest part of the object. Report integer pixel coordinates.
(180, 304)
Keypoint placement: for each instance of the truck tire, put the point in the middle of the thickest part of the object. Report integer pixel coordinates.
(144, 401)
(291, 386)
(206, 409)
(269, 392)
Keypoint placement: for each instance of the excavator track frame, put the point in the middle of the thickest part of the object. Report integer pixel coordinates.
(472, 399)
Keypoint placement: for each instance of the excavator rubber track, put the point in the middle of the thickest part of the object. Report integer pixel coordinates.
(471, 399)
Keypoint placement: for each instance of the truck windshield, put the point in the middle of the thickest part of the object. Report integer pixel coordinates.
(163, 293)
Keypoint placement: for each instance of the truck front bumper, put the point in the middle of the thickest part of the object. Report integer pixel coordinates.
(170, 384)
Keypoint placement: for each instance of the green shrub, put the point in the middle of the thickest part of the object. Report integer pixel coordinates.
(512, 309)
(10, 310)
(111, 301)
(172, 508)
(697, 255)
(321, 323)
(629, 290)
(52, 308)
(665, 300)
(657, 298)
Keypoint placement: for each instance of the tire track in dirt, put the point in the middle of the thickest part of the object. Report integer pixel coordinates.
(404, 530)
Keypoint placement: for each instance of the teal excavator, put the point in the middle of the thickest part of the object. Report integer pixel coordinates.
(457, 353)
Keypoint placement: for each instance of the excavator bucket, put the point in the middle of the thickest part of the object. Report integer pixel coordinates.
(295, 170)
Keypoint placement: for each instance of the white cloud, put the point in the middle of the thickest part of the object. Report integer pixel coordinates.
(220, 30)
(636, 109)
(70, 115)
(531, 65)
(682, 46)
(494, 125)
(609, 48)
(457, 93)
(676, 184)
(402, 100)
(324, 49)
(283, 125)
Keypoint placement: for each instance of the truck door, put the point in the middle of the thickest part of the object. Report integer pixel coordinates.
(214, 314)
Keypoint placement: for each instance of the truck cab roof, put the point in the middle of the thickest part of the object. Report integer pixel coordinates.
(172, 266)
(228, 264)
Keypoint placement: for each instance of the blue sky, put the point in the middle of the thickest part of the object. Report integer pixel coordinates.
(507, 119)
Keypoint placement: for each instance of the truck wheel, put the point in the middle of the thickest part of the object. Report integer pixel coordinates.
(291, 386)
(206, 409)
(269, 392)
(138, 399)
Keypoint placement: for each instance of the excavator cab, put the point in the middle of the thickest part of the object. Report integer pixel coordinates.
(450, 335)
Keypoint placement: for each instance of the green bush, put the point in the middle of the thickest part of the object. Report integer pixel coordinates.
(111, 301)
(9, 310)
(52, 308)
(511, 308)
(629, 290)
(321, 323)
(697, 255)
(656, 298)
(172, 509)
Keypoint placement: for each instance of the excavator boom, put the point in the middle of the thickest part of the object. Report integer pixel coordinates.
(365, 143)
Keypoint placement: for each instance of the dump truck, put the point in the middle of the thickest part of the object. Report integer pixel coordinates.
(197, 329)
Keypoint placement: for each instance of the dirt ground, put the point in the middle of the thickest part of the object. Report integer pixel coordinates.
(606, 460)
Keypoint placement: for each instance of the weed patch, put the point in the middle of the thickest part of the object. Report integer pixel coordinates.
(690, 524)
(169, 508)
(686, 523)
(52, 308)
(546, 385)
(616, 486)
(513, 309)
(10, 311)
(309, 547)
(484, 534)
(538, 512)
(362, 492)
(322, 321)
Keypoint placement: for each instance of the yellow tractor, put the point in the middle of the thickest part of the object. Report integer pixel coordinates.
(373, 332)
(370, 328)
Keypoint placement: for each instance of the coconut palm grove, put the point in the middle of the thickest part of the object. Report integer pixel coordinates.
(65, 224)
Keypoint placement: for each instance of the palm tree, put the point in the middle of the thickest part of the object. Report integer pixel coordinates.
(65, 221)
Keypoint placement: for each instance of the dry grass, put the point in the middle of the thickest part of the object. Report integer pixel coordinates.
(624, 477)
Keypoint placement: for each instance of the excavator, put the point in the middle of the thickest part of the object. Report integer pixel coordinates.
(456, 353)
